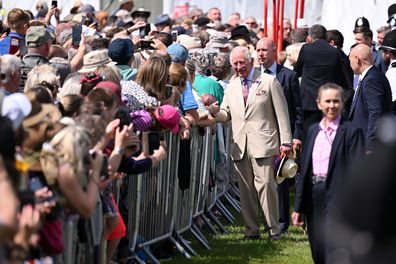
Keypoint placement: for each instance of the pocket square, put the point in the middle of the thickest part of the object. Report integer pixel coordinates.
(261, 91)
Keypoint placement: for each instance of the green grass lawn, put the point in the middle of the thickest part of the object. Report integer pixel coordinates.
(230, 248)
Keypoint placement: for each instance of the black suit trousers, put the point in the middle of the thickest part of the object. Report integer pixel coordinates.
(316, 223)
(284, 204)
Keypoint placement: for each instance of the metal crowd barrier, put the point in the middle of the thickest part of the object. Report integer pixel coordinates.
(228, 190)
(158, 210)
(186, 197)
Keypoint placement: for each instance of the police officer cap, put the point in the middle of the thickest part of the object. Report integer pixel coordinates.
(391, 12)
(389, 42)
(362, 22)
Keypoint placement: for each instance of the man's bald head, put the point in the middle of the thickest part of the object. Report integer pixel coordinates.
(267, 41)
(266, 49)
(364, 53)
(361, 57)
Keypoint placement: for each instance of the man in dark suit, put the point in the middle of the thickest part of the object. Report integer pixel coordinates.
(332, 147)
(288, 79)
(373, 96)
(318, 63)
(336, 39)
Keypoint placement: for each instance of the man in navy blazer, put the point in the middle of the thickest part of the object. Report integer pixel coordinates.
(373, 96)
(318, 63)
(288, 79)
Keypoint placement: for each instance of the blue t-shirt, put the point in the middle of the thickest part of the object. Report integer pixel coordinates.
(5, 43)
(187, 99)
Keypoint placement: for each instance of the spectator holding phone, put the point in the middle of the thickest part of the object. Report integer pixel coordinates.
(70, 170)
(40, 125)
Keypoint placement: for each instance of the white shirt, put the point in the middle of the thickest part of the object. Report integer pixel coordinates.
(391, 75)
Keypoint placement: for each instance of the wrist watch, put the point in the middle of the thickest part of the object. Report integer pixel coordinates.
(119, 150)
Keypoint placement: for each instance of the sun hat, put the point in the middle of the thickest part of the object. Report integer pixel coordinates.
(285, 168)
(94, 59)
(142, 11)
(203, 21)
(44, 112)
(190, 42)
(218, 41)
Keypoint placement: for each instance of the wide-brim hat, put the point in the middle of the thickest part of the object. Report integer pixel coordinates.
(190, 42)
(218, 41)
(287, 168)
(203, 21)
(46, 110)
(94, 59)
(141, 10)
(239, 31)
(120, 2)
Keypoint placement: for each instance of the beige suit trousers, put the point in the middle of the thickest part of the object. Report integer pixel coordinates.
(256, 180)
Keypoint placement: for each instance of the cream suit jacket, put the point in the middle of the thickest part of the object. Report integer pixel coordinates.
(263, 124)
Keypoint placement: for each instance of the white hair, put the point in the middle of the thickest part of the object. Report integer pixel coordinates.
(245, 50)
(41, 73)
(71, 85)
(8, 65)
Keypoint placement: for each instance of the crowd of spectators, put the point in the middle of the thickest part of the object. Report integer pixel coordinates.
(79, 96)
